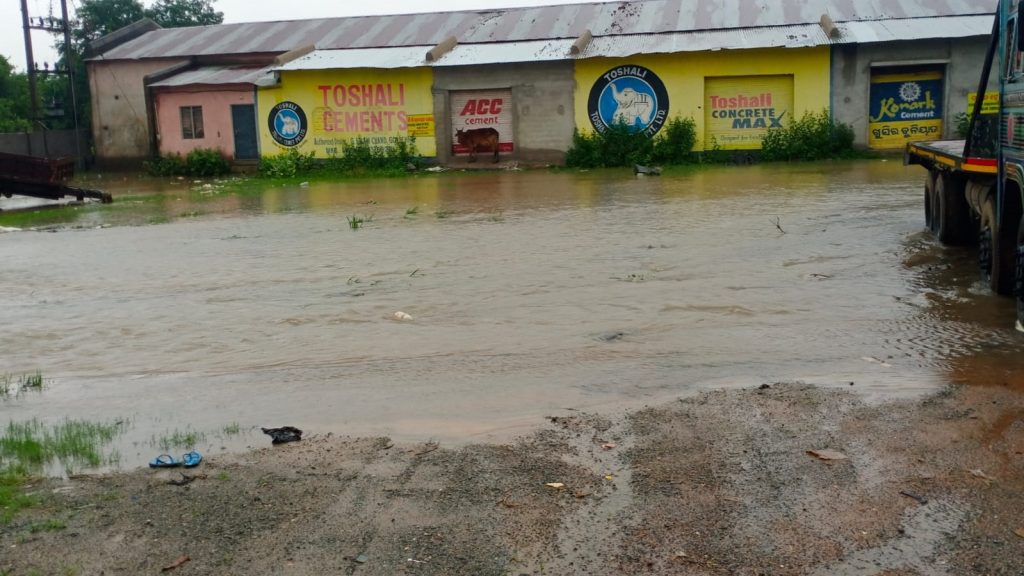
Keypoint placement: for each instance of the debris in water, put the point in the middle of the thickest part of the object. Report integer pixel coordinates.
(765, 387)
(979, 474)
(648, 170)
(555, 485)
(608, 446)
(431, 446)
(876, 361)
(362, 559)
(827, 454)
(920, 499)
(283, 434)
(401, 316)
(176, 564)
(186, 479)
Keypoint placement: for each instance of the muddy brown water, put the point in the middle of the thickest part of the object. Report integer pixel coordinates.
(531, 293)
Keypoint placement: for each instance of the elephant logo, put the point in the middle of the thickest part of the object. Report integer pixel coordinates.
(287, 124)
(630, 96)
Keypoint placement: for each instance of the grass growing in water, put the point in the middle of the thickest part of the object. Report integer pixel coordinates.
(356, 221)
(412, 212)
(27, 448)
(25, 383)
(232, 429)
(180, 439)
(33, 444)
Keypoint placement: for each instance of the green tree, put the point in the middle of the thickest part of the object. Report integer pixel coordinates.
(100, 17)
(14, 104)
(181, 13)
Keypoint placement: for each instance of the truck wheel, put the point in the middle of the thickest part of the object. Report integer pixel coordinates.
(951, 217)
(1020, 276)
(929, 198)
(995, 256)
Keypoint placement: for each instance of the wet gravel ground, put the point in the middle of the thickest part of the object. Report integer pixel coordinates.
(715, 484)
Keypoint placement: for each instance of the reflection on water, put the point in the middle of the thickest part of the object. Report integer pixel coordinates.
(267, 309)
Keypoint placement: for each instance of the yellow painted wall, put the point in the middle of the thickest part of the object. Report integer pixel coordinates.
(340, 105)
(683, 75)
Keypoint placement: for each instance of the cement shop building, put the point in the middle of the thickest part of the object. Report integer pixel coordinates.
(895, 70)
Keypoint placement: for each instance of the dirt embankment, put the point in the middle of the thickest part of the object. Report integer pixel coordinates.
(721, 483)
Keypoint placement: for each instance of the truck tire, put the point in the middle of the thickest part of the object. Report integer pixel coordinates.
(995, 255)
(1020, 276)
(951, 217)
(929, 198)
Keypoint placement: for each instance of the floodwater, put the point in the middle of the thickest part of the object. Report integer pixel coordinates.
(530, 293)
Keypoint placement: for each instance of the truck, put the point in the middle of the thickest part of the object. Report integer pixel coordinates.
(974, 188)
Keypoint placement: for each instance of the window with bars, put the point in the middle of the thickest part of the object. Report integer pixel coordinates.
(191, 122)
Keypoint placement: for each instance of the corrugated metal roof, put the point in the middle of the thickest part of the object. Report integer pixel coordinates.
(914, 29)
(219, 75)
(526, 24)
(401, 57)
(799, 36)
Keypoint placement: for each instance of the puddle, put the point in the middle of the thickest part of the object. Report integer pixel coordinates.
(259, 305)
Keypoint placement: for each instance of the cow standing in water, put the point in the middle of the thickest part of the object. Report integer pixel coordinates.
(479, 139)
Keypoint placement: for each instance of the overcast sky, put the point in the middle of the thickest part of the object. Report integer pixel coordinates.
(13, 47)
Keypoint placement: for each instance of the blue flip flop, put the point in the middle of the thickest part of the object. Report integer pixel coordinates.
(164, 461)
(191, 459)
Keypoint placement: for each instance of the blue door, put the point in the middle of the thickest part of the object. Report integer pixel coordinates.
(243, 121)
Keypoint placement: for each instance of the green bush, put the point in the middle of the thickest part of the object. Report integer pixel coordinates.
(199, 162)
(287, 164)
(812, 137)
(171, 165)
(358, 157)
(674, 144)
(207, 162)
(621, 145)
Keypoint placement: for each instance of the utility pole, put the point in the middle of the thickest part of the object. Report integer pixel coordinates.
(30, 66)
(70, 66)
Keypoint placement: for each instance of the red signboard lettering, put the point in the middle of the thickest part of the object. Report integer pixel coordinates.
(482, 106)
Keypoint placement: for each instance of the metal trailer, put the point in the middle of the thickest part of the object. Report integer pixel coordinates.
(42, 178)
(974, 190)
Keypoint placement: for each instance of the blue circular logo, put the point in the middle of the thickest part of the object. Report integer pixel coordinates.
(287, 123)
(632, 96)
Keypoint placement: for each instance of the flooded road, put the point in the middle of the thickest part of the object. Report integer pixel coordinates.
(530, 293)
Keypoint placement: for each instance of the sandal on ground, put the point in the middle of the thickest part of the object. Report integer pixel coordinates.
(164, 461)
(192, 459)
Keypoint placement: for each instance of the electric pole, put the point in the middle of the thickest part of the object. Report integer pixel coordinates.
(30, 65)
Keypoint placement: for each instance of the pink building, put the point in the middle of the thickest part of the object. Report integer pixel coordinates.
(210, 107)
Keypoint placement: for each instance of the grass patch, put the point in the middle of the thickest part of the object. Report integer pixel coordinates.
(232, 429)
(12, 496)
(441, 213)
(25, 383)
(412, 212)
(34, 445)
(51, 525)
(187, 438)
(27, 448)
(356, 221)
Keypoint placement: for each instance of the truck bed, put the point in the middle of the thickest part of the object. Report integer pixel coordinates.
(948, 155)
